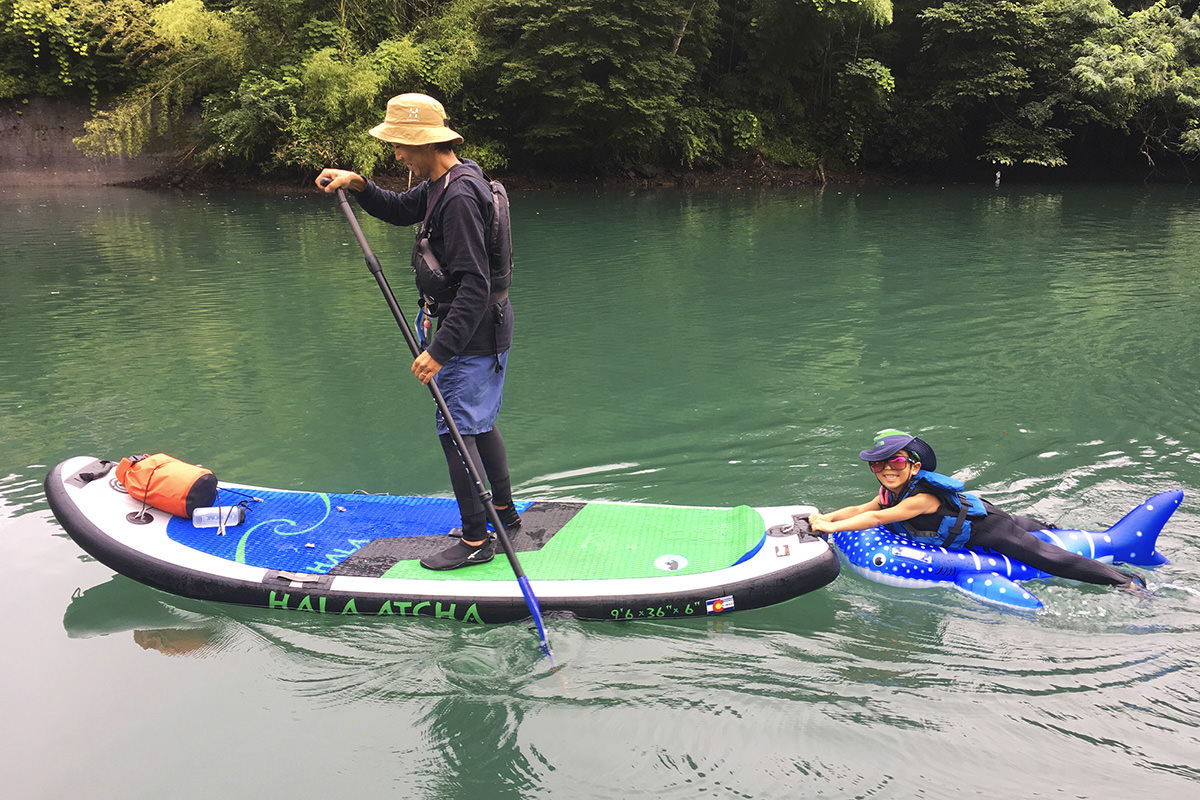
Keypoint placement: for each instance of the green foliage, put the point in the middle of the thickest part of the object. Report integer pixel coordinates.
(450, 46)
(995, 72)
(1142, 73)
(489, 154)
(205, 51)
(1014, 81)
(714, 136)
(43, 48)
(745, 131)
(976, 43)
(592, 84)
(1037, 144)
(586, 83)
(286, 31)
(697, 132)
(860, 104)
(792, 151)
(797, 63)
(341, 100)
(243, 127)
(317, 115)
(1189, 142)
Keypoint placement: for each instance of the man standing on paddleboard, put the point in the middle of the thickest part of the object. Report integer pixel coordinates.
(463, 261)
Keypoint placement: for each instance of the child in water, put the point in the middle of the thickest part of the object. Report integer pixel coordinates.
(926, 506)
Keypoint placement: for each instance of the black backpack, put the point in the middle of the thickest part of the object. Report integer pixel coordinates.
(435, 285)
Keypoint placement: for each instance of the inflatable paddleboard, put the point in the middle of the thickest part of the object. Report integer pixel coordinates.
(357, 554)
(885, 557)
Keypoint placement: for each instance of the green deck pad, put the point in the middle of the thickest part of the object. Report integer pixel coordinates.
(610, 540)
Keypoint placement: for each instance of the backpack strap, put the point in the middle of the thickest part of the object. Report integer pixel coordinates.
(437, 191)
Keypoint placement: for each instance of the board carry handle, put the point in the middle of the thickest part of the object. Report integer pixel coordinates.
(484, 495)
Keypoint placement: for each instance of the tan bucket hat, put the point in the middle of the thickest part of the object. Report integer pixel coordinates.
(415, 119)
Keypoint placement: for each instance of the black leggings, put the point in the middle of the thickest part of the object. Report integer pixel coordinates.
(487, 452)
(1008, 534)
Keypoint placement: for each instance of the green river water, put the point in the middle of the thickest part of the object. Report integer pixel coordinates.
(683, 348)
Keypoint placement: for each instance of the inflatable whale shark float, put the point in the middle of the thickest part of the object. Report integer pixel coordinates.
(885, 557)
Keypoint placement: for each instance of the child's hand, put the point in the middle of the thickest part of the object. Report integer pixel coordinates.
(820, 523)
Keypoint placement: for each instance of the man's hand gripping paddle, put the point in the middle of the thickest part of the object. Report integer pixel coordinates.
(484, 495)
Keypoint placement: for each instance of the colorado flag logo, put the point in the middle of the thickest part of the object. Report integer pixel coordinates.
(720, 604)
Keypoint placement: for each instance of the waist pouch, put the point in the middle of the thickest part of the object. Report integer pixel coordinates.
(168, 484)
(435, 287)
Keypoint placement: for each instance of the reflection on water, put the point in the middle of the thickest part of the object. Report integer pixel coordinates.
(174, 641)
(672, 348)
(733, 699)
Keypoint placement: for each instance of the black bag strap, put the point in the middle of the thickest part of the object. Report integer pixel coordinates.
(436, 191)
(957, 527)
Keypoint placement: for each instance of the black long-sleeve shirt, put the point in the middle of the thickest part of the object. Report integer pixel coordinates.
(458, 239)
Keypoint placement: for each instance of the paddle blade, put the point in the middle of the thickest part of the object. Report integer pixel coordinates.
(536, 611)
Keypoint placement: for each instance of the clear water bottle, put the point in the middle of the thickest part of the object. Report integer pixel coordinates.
(213, 516)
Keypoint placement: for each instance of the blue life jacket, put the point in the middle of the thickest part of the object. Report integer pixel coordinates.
(953, 518)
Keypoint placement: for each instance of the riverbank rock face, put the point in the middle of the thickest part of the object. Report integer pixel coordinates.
(36, 147)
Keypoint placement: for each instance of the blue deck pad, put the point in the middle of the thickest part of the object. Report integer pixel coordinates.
(313, 532)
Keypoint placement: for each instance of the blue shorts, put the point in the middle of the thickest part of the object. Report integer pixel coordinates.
(473, 390)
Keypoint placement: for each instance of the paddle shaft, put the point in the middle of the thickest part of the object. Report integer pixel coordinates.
(484, 495)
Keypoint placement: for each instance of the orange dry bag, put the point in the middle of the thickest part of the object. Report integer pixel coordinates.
(167, 483)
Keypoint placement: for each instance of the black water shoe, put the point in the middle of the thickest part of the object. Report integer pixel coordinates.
(509, 518)
(461, 555)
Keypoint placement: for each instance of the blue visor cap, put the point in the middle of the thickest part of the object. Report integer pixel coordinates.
(888, 443)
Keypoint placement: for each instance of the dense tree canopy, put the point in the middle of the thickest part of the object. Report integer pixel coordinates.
(595, 84)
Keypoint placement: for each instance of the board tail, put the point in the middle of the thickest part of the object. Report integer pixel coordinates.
(1136, 535)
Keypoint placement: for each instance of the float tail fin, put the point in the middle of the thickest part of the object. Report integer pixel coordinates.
(1136, 535)
(993, 587)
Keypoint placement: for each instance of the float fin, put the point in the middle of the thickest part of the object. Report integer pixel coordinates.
(1136, 535)
(993, 587)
